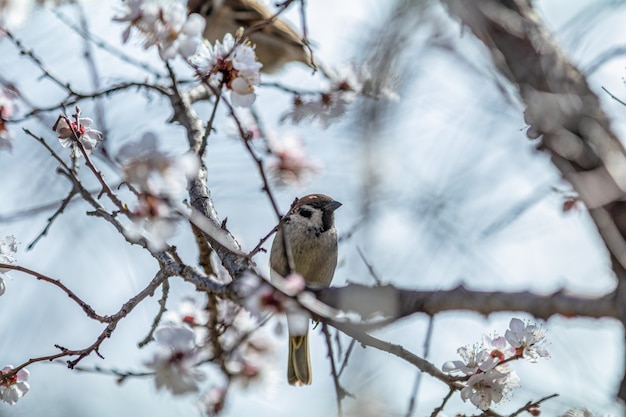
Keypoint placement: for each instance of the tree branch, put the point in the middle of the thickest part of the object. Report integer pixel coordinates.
(393, 303)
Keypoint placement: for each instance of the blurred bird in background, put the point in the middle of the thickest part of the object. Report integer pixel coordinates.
(276, 42)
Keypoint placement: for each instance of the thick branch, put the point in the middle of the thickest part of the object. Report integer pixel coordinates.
(388, 303)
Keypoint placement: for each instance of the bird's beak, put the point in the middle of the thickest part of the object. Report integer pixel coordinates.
(332, 206)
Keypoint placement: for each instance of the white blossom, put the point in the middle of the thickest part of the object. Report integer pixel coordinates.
(527, 339)
(233, 64)
(156, 172)
(8, 247)
(15, 387)
(189, 313)
(326, 108)
(212, 401)
(7, 108)
(175, 364)
(73, 132)
(473, 361)
(289, 163)
(164, 24)
(161, 179)
(578, 412)
(484, 388)
(360, 79)
(151, 220)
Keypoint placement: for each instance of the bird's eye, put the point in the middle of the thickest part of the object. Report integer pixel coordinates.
(305, 212)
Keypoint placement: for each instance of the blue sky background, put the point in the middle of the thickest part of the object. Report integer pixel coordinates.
(453, 170)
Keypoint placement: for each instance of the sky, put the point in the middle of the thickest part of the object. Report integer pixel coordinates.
(445, 189)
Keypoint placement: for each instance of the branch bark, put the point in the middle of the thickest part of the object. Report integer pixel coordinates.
(388, 303)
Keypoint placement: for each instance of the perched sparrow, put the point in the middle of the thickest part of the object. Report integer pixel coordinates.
(276, 42)
(311, 237)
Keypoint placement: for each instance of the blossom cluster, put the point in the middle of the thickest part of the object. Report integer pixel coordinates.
(164, 24)
(489, 377)
(187, 339)
(290, 163)
(8, 247)
(160, 178)
(14, 387)
(232, 63)
(348, 83)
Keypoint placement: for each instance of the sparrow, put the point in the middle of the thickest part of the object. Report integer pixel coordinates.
(276, 42)
(309, 231)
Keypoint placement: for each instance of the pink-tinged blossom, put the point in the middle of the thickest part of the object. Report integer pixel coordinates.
(7, 109)
(212, 401)
(289, 163)
(189, 313)
(232, 64)
(350, 82)
(359, 79)
(161, 179)
(251, 359)
(175, 364)
(528, 340)
(15, 387)
(472, 361)
(485, 388)
(156, 172)
(72, 132)
(164, 24)
(490, 379)
(261, 297)
(8, 247)
(13, 13)
(498, 347)
(153, 221)
(326, 108)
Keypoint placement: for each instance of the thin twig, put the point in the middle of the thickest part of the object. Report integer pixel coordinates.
(165, 289)
(305, 36)
(370, 268)
(262, 241)
(346, 357)
(76, 97)
(122, 375)
(105, 46)
(113, 320)
(73, 192)
(531, 404)
(89, 311)
(54, 154)
(445, 400)
(614, 97)
(244, 135)
(418, 376)
(47, 71)
(339, 391)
